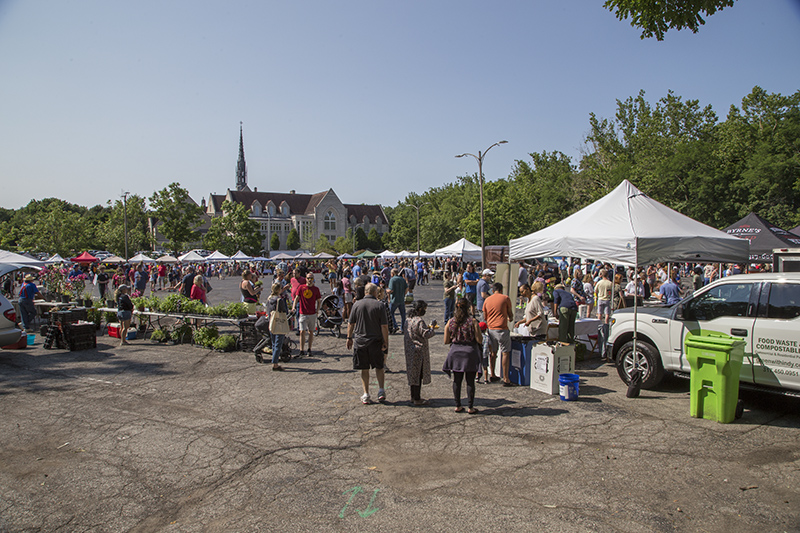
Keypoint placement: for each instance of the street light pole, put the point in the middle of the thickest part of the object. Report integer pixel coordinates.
(356, 226)
(418, 207)
(125, 220)
(479, 159)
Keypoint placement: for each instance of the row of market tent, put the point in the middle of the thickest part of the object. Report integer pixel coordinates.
(625, 227)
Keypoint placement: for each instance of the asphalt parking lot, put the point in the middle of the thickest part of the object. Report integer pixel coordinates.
(156, 437)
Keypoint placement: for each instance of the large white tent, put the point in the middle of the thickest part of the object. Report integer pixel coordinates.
(241, 256)
(18, 259)
(628, 227)
(141, 258)
(462, 248)
(191, 257)
(217, 256)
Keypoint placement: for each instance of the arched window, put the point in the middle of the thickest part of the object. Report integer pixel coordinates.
(330, 221)
(271, 209)
(285, 209)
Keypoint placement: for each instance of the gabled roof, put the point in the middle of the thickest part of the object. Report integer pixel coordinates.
(370, 211)
(215, 201)
(298, 203)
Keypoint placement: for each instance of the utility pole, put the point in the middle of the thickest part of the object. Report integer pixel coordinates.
(125, 220)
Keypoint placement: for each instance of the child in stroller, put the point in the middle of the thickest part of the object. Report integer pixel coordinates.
(330, 315)
(262, 326)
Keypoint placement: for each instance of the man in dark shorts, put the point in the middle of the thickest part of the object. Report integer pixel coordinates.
(368, 335)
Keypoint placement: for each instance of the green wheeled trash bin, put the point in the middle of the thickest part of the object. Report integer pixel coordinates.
(715, 361)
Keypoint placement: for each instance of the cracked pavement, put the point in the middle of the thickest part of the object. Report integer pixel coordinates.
(177, 438)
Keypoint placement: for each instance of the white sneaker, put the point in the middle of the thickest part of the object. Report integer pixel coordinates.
(365, 399)
(381, 395)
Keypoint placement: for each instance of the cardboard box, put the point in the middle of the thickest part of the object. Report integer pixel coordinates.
(547, 362)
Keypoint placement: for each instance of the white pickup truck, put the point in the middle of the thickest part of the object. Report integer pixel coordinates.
(761, 309)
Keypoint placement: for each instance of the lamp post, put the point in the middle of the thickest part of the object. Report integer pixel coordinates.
(355, 226)
(479, 159)
(125, 220)
(418, 207)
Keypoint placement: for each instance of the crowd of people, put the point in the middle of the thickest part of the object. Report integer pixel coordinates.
(371, 294)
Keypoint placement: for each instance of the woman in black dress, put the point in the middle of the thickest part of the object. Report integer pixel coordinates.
(464, 336)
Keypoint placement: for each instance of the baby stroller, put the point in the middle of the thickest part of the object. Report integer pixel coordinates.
(262, 326)
(329, 316)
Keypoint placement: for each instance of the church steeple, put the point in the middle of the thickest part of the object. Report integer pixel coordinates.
(241, 166)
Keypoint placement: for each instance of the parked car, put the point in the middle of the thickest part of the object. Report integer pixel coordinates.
(761, 309)
(9, 332)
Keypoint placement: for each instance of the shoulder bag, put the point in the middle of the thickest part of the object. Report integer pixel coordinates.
(278, 323)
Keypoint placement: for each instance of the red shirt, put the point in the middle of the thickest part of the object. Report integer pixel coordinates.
(198, 293)
(308, 296)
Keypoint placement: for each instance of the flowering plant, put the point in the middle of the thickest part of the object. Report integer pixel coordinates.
(54, 278)
(76, 285)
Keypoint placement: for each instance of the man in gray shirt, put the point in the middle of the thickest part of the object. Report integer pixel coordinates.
(368, 336)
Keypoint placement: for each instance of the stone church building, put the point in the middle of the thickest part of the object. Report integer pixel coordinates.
(312, 215)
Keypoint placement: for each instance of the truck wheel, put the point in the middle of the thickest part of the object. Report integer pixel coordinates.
(647, 359)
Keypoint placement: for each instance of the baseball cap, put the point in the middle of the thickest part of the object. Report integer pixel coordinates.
(487, 272)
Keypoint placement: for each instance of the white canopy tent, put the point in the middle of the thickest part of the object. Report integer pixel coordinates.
(141, 258)
(462, 248)
(113, 260)
(166, 259)
(628, 227)
(18, 259)
(217, 256)
(55, 259)
(241, 256)
(387, 254)
(191, 257)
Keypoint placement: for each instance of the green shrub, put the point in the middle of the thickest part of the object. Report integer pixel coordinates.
(220, 310)
(182, 333)
(160, 335)
(193, 307)
(225, 343)
(206, 336)
(172, 303)
(237, 310)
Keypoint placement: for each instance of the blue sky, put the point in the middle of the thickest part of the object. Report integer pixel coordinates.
(371, 98)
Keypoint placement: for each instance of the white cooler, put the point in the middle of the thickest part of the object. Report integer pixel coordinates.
(547, 362)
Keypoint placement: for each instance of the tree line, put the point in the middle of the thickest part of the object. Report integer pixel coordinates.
(676, 151)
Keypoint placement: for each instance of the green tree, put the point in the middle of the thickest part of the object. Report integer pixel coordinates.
(323, 245)
(178, 216)
(293, 240)
(275, 242)
(342, 245)
(759, 157)
(361, 241)
(666, 149)
(53, 226)
(233, 231)
(374, 241)
(112, 236)
(654, 18)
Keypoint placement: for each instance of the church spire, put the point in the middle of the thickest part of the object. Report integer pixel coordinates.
(241, 167)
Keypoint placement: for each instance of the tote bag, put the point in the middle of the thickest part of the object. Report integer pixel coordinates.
(278, 323)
